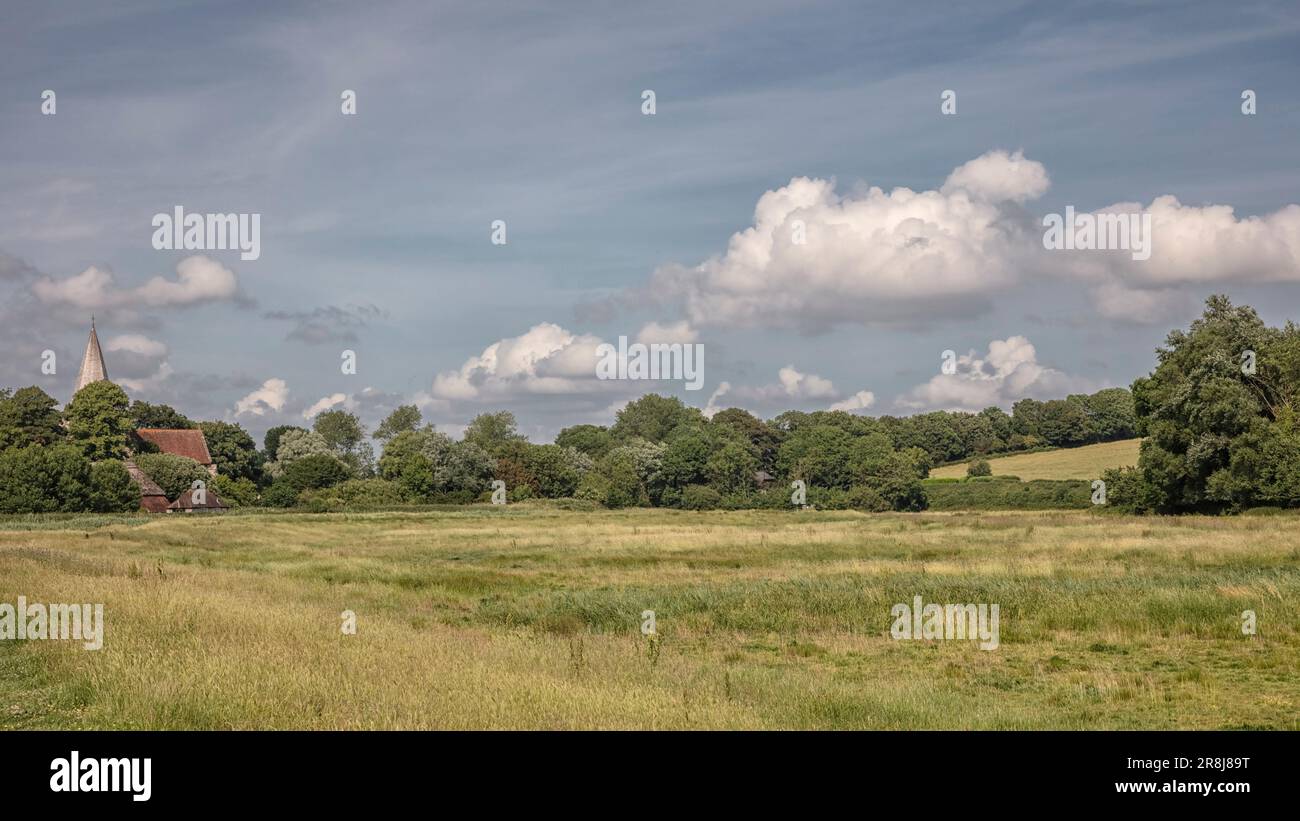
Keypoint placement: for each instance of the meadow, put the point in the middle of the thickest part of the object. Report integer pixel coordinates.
(529, 616)
(1087, 462)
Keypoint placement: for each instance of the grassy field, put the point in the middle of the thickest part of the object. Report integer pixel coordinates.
(529, 617)
(1086, 462)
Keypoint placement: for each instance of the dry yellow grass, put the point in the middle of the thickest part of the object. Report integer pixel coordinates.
(1086, 462)
(529, 617)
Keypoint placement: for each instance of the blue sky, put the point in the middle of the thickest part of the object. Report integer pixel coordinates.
(375, 227)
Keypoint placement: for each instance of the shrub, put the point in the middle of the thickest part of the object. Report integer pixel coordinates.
(44, 479)
(319, 470)
(355, 494)
(865, 498)
(700, 497)
(979, 467)
(234, 492)
(1039, 494)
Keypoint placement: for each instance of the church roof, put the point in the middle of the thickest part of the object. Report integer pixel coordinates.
(148, 487)
(92, 363)
(185, 442)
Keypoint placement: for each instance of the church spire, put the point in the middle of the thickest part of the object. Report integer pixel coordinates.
(92, 364)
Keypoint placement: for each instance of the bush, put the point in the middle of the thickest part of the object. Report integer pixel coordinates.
(234, 492)
(112, 490)
(1039, 494)
(319, 470)
(862, 497)
(979, 467)
(700, 497)
(44, 479)
(355, 494)
(174, 474)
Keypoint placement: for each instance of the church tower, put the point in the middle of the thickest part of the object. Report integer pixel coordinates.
(92, 364)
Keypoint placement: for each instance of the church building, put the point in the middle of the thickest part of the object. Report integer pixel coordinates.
(187, 442)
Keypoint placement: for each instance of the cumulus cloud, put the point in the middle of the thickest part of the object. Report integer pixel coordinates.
(999, 177)
(858, 401)
(270, 397)
(325, 403)
(547, 359)
(1009, 371)
(792, 388)
(199, 279)
(813, 258)
(667, 334)
(1189, 245)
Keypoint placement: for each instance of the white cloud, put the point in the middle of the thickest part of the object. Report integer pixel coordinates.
(999, 177)
(1008, 372)
(1189, 245)
(325, 403)
(858, 401)
(877, 257)
(791, 388)
(270, 397)
(667, 334)
(545, 360)
(199, 279)
(804, 386)
(138, 344)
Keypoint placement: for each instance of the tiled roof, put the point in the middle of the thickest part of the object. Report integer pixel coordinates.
(148, 487)
(186, 502)
(179, 443)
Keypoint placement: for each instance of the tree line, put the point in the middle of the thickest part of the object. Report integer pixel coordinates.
(658, 452)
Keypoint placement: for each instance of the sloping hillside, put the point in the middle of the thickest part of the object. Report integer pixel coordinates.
(1086, 462)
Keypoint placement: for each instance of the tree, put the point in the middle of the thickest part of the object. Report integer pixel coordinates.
(556, 470)
(1218, 436)
(318, 470)
(346, 438)
(233, 451)
(44, 479)
(686, 458)
(979, 467)
(464, 466)
(593, 440)
(145, 415)
(174, 474)
(764, 440)
(402, 420)
(271, 441)
(1111, 414)
(99, 420)
(112, 490)
(1064, 423)
(731, 469)
(818, 454)
(28, 417)
(1025, 416)
(493, 432)
(653, 417)
(295, 444)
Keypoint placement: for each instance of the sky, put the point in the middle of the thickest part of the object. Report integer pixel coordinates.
(920, 231)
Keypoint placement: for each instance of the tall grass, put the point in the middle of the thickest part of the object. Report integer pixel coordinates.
(529, 617)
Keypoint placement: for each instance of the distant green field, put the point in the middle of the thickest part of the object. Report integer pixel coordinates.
(1086, 462)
